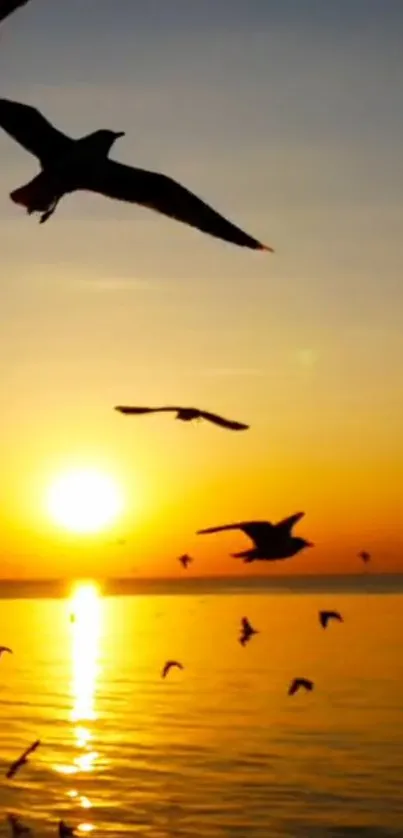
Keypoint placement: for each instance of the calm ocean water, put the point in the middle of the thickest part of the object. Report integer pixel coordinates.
(218, 749)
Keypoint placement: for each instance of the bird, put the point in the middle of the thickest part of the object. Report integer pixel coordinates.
(185, 560)
(5, 649)
(299, 683)
(364, 556)
(9, 6)
(168, 666)
(17, 827)
(65, 831)
(247, 631)
(271, 541)
(69, 165)
(325, 616)
(22, 760)
(185, 414)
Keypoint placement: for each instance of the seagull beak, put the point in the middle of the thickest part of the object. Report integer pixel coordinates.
(309, 544)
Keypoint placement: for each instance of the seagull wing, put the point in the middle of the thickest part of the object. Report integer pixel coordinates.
(169, 665)
(246, 626)
(286, 525)
(136, 411)
(30, 750)
(224, 423)
(5, 649)
(256, 530)
(162, 194)
(33, 131)
(9, 6)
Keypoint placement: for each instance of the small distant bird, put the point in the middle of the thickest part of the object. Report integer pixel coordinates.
(272, 541)
(22, 760)
(9, 6)
(185, 560)
(69, 165)
(299, 683)
(364, 556)
(65, 831)
(18, 829)
(168, 666)
(5, 649)
(247, 631)
(325, 616)
(185, 414)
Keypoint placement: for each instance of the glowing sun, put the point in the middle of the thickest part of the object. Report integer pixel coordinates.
(84, 500)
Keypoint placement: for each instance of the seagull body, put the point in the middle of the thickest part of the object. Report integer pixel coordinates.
(9, 6)
(300, 683)
(18, 829)
(185, 560)
(325, 616)
(5, 649)
(168, 666)
(184, 414)
(364, 556)
(22, 760)
(69, 165)
(65, 831)
(271, 541)
(247, 631)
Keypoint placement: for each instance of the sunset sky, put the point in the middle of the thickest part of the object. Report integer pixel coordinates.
(288, 118)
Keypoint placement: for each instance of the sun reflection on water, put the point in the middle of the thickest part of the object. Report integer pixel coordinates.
(85, 618)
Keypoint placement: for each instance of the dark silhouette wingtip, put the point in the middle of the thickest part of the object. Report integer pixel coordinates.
(266, 247)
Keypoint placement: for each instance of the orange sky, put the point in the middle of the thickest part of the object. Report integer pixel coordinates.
(300, 143)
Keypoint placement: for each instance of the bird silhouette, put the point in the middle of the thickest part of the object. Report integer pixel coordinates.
(271, 541)
(65, 831)
(18, 829)
(22, 760)
(5, 649)
(247, 631)
(70, 165)
(185, 414)
(168, 666)
(185, 560)
(300, 683)
(9, 6)
(364, 556)
(325, 616)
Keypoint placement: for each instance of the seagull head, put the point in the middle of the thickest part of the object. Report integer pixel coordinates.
(301, 543)
(104, 139)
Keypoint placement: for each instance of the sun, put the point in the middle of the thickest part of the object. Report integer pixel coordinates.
(84, 501)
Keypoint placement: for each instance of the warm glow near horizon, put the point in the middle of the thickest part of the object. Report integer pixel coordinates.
(84, 500)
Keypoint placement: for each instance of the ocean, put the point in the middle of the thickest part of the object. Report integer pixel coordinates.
(219, 748)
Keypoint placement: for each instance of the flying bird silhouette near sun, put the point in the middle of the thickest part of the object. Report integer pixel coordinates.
(9, 6)
(185, 560)
(5, 649)
(168, 666)
(271, 541)
(247, 631)
(300, 683)
(71, 165)
(326, 616)
(185, 414)
(22, 760)
(364, 556)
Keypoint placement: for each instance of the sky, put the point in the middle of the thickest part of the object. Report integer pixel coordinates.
(288, 118)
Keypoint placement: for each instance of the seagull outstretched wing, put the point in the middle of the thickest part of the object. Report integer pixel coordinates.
(168, 666)
(223, 423)
(9, 6)
(256, 530)
(164, 195)
(286, 525)
(18, 763)
(300, 683)
(5, 649)
(27, 125)
(326, 616)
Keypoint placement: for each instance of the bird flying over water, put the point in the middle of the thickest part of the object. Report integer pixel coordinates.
(364, 556)
(185, 560)
(247, 631)
(325, 616)
(5, 649)
(300, 683)
(65, 831)
(185, 414)
(271, 541)
(9, 6)
(168, 666)
(18, 829)
(70, 165)
(22, 760)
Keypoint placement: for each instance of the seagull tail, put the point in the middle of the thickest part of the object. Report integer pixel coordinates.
(245, 555)
(35, 196)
